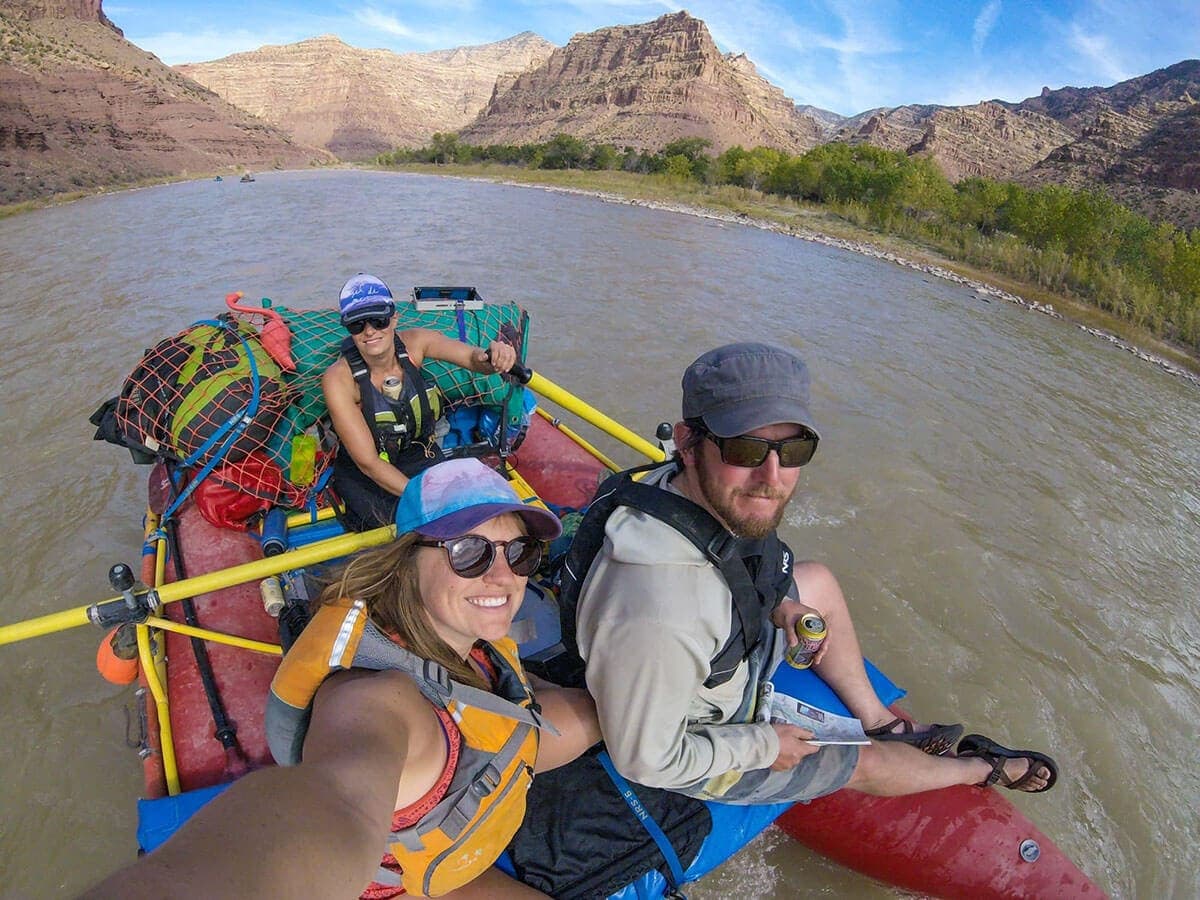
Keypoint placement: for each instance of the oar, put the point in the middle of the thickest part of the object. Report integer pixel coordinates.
(116, 610)
(568, 401)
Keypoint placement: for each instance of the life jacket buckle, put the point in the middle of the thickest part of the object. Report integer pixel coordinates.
(436, 674)
(488, 781)
(722, 547)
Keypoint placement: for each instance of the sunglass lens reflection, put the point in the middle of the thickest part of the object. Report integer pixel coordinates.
(749, 452)
(743, 452)
(523, 555)
(472, 556)
(797, 452)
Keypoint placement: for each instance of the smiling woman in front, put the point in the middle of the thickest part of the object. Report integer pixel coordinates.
(401, 717)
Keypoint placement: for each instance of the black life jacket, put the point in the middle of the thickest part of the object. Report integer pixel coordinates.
(758, 572)
(410, 425)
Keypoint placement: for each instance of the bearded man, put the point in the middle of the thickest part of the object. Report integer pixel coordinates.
(686, 605)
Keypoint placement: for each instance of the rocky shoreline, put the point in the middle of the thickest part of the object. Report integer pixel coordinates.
(982, 290)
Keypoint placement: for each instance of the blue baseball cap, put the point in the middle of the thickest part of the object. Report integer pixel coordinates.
(449, 499)
(363, 297)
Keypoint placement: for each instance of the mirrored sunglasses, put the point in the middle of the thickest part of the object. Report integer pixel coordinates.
(472, 555)
(749, 452)
(377, 322)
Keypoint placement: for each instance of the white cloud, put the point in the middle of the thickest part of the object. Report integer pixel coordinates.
(1098, 51)
(381, 21)
(984, 23)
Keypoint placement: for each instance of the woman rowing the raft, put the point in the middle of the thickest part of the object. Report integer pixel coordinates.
(386, 438)
(402, 717)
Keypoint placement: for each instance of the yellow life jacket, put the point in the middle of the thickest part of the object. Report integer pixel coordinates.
(484, 805)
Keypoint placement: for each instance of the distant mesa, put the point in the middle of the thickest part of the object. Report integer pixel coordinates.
(36, 10)
(644, 86)
(360, 103)
(84, 108)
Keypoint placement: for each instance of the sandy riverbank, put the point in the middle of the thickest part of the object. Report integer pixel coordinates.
(983, 291)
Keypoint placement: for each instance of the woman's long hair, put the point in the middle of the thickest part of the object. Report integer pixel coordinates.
(385, 579)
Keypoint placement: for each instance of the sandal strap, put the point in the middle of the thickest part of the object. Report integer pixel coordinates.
(1018, 783)
(906, 728)
(997, 773)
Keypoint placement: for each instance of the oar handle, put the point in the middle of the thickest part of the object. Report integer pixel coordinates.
(256, 570)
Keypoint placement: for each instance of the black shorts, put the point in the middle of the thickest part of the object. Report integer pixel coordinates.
(367, 504)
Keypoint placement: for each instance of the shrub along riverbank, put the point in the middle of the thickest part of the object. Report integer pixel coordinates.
(1055, 242)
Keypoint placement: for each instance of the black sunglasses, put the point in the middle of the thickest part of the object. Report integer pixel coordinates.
(748, 452)
(472, 554)
(377, 322)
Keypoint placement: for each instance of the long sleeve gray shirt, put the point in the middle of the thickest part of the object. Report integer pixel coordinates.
(652, 614)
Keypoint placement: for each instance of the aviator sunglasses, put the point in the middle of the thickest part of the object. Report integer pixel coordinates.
(750, 452)
(472, 555)
(377, 322)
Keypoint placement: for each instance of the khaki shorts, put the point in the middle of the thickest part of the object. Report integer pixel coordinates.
(814, 776)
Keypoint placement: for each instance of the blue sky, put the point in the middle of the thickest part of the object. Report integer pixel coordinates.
(843, 56)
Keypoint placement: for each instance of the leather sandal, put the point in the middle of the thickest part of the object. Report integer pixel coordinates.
(936, 740)
(991, 752)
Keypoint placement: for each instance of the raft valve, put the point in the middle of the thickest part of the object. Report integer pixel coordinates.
(1030, 851)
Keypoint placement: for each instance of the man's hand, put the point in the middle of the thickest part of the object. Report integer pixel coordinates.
(793, 745)
(787, 614)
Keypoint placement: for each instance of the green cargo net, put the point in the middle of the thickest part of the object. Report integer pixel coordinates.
(239, 398)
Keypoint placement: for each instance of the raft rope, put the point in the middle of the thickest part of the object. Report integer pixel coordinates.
(224, 730)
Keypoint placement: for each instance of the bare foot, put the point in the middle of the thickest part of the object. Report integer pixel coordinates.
(1026, 775)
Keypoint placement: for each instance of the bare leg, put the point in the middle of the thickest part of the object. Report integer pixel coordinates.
(841, 666)
(494, 884)
(891, 770)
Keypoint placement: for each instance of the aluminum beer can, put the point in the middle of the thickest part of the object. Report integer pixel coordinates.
(392, 387)
(271, 592)
(811, 631)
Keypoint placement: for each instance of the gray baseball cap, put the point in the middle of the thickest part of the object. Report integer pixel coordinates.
(740, 387)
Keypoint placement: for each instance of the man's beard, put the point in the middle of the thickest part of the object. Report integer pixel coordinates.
(753, 527)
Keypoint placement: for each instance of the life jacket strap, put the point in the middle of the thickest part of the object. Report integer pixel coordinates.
(377, 651)
(675, 876)
(361, 373)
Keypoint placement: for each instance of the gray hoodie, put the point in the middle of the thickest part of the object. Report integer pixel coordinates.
(652, 613)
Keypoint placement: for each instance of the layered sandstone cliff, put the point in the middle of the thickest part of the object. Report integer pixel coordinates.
(358, 103)
(644, 86)
(81, 107)
(1138, 140)
(33, 10)
(986, 139)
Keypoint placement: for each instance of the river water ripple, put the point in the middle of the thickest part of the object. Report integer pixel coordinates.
(1012, 506)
